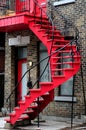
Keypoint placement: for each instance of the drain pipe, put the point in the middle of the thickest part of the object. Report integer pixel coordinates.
(38, 105)
(83, 88)
(72, 103)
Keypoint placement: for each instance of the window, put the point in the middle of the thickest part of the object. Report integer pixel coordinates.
(65, 94)
(43, 53)
(66, 88)
(61, 2)
(22, 52)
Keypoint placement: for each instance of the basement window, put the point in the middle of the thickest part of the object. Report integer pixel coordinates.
(62, 2)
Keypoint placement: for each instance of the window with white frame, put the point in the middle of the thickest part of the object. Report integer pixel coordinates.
(66, 88)
(65, 94)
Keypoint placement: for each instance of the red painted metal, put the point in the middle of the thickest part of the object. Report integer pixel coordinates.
(43, 4)
(24, 5)
(46, 86)
(28, 5)
(14, 23)
(46, 90)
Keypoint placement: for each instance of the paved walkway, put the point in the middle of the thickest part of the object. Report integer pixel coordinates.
(47, 125)
(50, 123)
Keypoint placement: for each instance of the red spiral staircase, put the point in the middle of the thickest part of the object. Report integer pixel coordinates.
(64, 60)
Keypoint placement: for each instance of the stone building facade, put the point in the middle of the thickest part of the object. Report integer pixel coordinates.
(75, 13)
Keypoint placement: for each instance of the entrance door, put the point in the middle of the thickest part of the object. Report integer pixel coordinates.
(22, 88)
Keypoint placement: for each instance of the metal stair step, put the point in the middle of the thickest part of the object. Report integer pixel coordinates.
(40, 100)
(46, 83)
(21, 102)
(58, 76)
(43, 26)
(22, 117)
(58, 40)
(56, 36)
(66, 57)
(45, 94)
(68, 46)
(65, 51)
(16, 108)
(41, 30)
(62, 69)
(55, 32)
(59, 63)
(12, 114)
(47, 26)
(35, 90)
(34, 106)
(28, 112)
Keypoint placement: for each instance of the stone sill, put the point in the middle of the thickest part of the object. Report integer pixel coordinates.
(63, 2)
(64, 99)
(2, 73)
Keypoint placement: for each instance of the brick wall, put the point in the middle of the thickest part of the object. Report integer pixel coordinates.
(75, 13)
(10, 62)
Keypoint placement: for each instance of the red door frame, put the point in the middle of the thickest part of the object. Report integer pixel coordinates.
(20, 62)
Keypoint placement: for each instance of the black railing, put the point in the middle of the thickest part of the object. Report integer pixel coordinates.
(68, 29)
(29, 71)
(66, 26)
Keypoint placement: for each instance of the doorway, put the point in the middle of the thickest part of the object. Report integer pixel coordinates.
(1, 91)
(22, 68)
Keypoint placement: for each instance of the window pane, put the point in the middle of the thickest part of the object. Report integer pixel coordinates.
(66, 88)
(22, 53)
(46, 75)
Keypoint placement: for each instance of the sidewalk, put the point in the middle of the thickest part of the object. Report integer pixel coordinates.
(48, 123)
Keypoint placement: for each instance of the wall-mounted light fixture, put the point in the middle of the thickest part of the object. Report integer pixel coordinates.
(30, 63)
